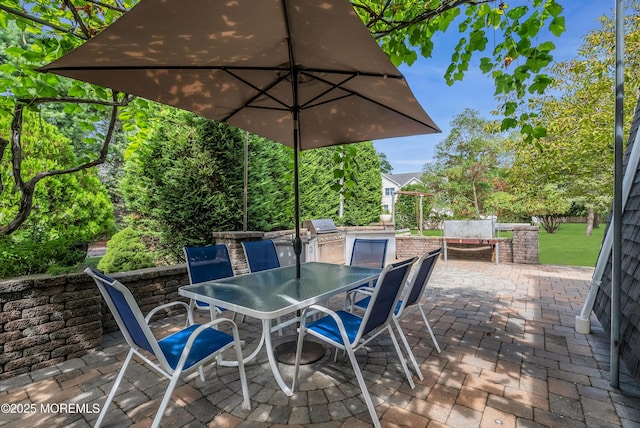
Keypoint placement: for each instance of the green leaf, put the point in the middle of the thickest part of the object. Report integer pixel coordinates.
(554, 8)
(517, 12)
(557, 26)
(508, 123)
(547, 46)
(486, 65)
(539, 132)
(77, 91)
(510, 108)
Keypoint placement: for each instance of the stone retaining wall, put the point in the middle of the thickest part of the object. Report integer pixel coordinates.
(45, 320)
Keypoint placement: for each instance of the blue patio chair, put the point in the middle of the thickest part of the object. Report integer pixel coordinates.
(261, 255)
(369, 252)
(410, 301)
(178, 353)
(207, 264)
(350, 332)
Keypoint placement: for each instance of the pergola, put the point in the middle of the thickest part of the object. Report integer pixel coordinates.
(419, 198)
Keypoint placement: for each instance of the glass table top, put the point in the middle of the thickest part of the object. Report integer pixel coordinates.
(276, 292)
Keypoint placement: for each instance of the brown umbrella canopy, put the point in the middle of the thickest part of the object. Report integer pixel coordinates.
(305, 73)
(235, 61)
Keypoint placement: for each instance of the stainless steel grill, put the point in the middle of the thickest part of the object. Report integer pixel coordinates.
(326, 242)
(320, 226)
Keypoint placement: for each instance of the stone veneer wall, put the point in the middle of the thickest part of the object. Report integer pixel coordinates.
(45, 320)
(525, 245)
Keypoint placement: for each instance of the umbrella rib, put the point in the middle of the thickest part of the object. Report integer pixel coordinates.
(261, 91)
(371, 100)
(332, 86)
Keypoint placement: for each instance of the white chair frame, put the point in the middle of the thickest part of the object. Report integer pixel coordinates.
(162, 365)
(361, 338)
(418, 284)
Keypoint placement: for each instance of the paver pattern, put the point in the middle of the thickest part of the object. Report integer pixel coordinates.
(510, 358)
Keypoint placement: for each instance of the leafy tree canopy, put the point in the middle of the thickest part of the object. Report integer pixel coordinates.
(576, 156)
(468, 166)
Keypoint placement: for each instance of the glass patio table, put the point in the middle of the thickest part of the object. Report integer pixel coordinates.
(270, 294)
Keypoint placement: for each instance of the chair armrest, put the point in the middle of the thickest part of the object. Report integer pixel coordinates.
(315, 308)
(351, 295)
(330, 313)
(203, 327)
(168, 305)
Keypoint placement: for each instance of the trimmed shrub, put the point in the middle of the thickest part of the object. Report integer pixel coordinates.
(126, 251)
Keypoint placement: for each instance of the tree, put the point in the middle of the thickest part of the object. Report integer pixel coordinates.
(577, 153)
(385, 165)
(182, 184)
(364, 206)
(407, 208)
(403, 28)
(466, 165)
(67, 210)
(319, 200)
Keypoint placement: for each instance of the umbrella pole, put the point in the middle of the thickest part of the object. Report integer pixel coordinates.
(297, 242)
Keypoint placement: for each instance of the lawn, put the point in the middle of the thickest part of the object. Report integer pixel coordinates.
(570, 246)
(567, 246)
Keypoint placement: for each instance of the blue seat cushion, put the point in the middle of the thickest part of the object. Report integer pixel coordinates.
(208, 342)
(363, 303)
(206, 305)
(327, 327)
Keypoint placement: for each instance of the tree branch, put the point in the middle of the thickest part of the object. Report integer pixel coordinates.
(24, 15)
(126, 100)
(27, 189)
(393, 26)
(107, 6)
(78, 18)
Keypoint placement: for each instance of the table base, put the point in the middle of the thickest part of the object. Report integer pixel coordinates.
(285, 352)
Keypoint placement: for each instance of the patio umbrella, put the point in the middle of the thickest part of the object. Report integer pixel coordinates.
(305, 73)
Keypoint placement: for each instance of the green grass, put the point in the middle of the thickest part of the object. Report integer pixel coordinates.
(568, 246)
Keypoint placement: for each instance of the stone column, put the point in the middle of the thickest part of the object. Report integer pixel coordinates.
(233, 240)
(525, 245)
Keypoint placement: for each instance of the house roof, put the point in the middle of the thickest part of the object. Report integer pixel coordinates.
(403, 179)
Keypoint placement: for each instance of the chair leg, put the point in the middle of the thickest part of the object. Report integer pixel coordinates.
(165, 400)
(363, 387)
(426, 322)
(296, 368)
(403, 362)
(408, 349)
(112, 393)
(243, 375)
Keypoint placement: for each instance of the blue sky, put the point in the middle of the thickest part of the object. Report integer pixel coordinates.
(443, 103)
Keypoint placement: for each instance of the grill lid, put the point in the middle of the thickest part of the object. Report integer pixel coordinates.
(320, 226)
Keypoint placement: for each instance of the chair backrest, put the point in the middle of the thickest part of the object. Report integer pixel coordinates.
(208, 263)
(261, 255)
(369, 252)
(385, 296)
(419, 281)
(127, 314)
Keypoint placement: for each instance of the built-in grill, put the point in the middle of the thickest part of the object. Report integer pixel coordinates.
(320, 226)
(326, 242)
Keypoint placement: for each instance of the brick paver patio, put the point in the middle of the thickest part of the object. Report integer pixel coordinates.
(510, 358)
